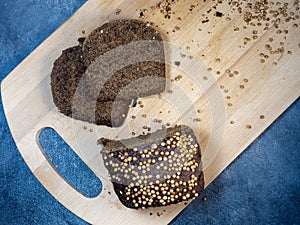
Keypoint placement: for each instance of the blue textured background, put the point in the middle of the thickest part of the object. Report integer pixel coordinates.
(261, 187)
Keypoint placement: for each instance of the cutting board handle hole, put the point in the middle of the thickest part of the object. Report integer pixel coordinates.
(68, 164)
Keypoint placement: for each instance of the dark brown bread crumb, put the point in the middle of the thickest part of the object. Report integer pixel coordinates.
(116, 110)
(109, 113)
(78, 71)
(65, 76)
(155, 170)
(219, 14)
(119, 33)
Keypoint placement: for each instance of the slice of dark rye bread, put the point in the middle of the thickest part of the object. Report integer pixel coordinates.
(65, 76)
(157, 169)
(140, 79)
(119, 34)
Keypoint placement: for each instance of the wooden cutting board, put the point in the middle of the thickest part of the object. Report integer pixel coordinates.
(232, 86)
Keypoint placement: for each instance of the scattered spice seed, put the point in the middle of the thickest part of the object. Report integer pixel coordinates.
(261, 117)
(178, 78)
(249, 126)
(219, 14)
(118, 11)
(204, 198)
(205, 21)
(142, 14)
(231, 122)
(229, 104)
(134, 103)
(242, 86)
(246, 80)
(155, 120)
(205, 78)
(177, 63)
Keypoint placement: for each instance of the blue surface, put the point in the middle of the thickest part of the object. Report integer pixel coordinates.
(260, 187)
(67, 163)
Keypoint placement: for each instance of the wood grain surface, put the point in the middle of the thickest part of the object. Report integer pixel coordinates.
(234, 79)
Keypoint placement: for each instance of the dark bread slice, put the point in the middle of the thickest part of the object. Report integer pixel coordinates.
(65, 77)
(108, 113)
(117, 35)
(71, 74)
(112, 114)
(131, 84)
(155, 170)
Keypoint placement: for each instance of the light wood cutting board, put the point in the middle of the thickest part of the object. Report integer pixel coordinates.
(226, 109)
